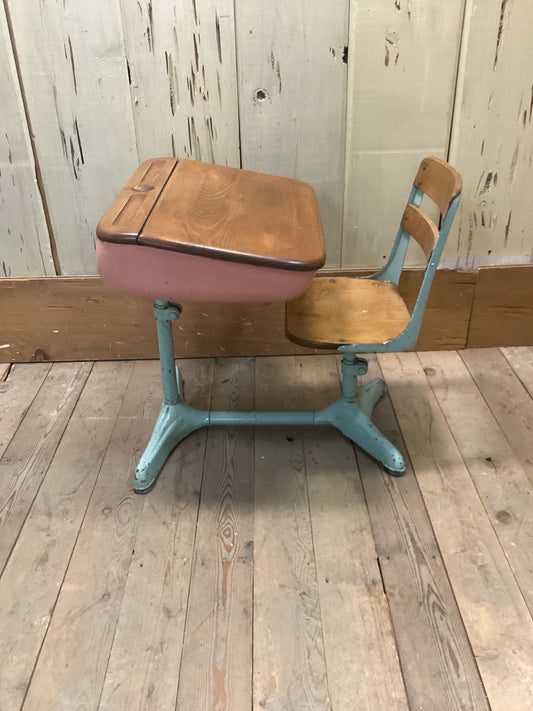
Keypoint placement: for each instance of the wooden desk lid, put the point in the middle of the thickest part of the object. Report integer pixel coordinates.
(218, 212)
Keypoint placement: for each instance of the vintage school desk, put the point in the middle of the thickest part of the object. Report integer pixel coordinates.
(183, 230)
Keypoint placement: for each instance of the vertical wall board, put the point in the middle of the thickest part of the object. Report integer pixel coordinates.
(402, 73)
(183, 77)
(74, 73)
(292, 97)
(24, 241)
(492, 139)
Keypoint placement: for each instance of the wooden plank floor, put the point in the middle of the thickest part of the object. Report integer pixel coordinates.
(274, 568)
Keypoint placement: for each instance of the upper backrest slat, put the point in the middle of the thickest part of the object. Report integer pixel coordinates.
(440, 181)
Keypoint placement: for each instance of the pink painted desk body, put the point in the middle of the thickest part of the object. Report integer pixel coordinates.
(155, 273)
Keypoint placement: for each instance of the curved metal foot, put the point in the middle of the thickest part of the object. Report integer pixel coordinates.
(352, 421)
(368, 395)
(396, 474)
(175, 422)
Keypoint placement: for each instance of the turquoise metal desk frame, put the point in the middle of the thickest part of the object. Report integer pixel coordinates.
(350, 414)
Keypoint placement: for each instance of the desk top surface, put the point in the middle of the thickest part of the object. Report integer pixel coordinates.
(218, 212)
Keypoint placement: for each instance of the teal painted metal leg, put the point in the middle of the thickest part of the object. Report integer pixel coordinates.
(350, 419)
(351, 414)
(369, 395)
(175, 422)
(165, 313)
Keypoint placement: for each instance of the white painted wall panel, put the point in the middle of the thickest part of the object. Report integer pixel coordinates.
(24, 240)
(74, 73)
(403, 66)
(292, 97)
(183, 75)
(112, 82)
(492, 142)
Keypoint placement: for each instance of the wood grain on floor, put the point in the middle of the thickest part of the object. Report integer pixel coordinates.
(270, 568)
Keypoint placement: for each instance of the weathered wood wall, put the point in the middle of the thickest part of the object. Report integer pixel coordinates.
(492, 134)
(347, 96)
(24, 239)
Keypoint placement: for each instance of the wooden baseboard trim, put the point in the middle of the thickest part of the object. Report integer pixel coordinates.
(502, 311)
(78, 318)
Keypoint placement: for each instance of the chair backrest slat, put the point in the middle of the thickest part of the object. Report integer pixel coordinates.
(440, 181)
(420, 227)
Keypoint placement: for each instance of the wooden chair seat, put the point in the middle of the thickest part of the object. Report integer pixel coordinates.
(335, 311)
